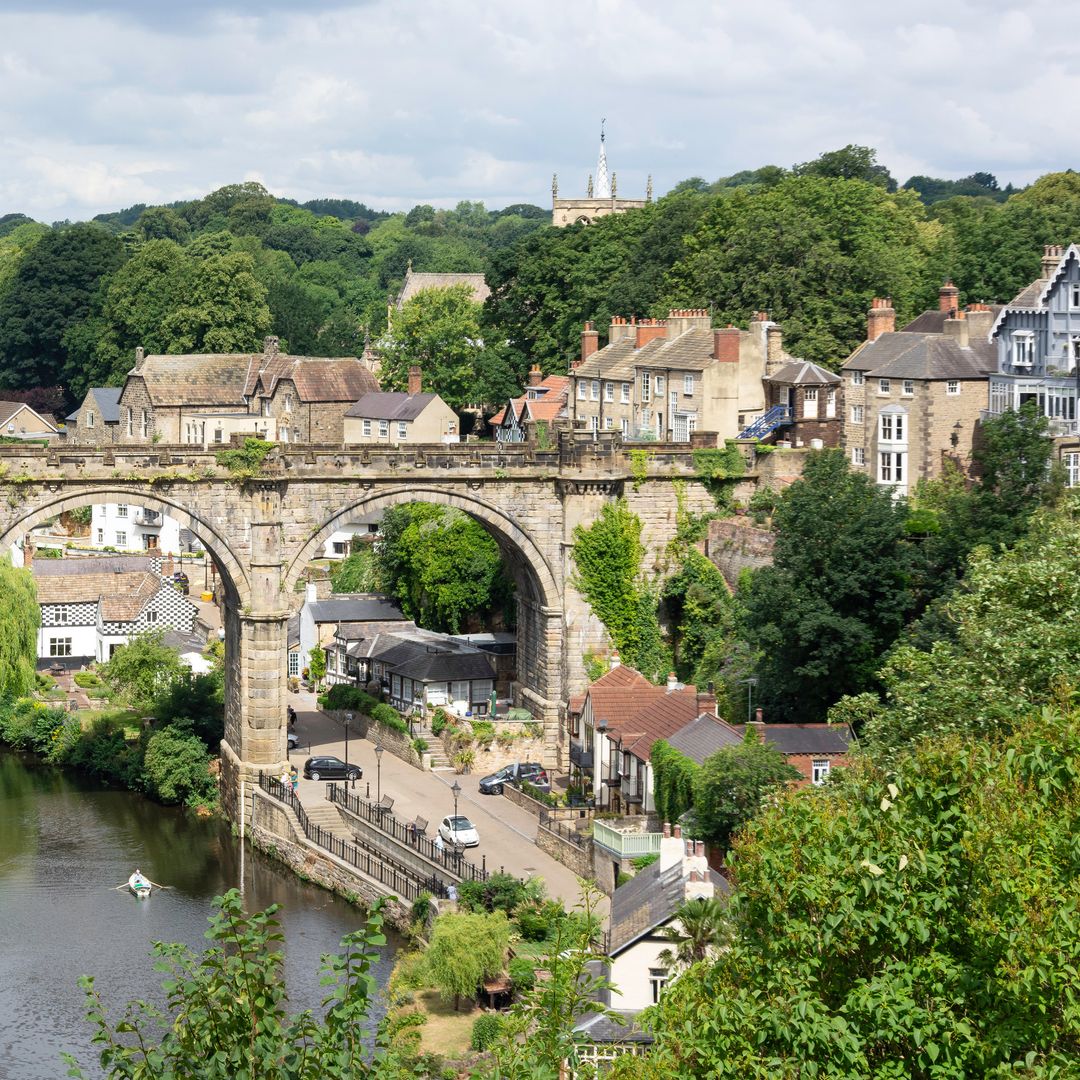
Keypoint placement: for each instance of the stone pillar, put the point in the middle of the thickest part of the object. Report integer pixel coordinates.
(540, 667)
(256, 629)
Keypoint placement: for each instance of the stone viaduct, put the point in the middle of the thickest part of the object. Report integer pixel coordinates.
(262, 530)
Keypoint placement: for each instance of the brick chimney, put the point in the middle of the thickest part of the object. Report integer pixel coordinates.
(948, 297)
(536, 376)
(956, 328)
(726, 344)
(28, 554)
(980, 321)
(649, 330)
(1051, 257)
(880, 319)
(590, 342)
(620, 329)
(415, 380)
(706, 703)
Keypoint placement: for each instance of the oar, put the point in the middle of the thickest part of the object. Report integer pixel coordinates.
(157, 886)
(124, 886)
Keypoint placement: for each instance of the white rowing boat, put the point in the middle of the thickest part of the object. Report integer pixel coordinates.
(139, 885)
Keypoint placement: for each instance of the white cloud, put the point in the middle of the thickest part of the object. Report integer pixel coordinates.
(109, 102)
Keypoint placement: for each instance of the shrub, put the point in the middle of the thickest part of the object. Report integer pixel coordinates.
(389, 717)
(501, 892)
(177, 768)
(486, 1030)
(348, 698)
(420, 746)
(43, 683)
(644, 860)
(623, 878)
(441, 721)
(522, 974)
(463, 760)
(534, 924)
(483, 732)
(86, 679)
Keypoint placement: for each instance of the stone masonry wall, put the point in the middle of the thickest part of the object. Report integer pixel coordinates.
(736, 544)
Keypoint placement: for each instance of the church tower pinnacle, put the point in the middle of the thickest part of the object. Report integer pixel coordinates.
(603, 184)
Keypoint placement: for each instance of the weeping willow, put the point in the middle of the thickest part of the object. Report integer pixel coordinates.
(20, 617)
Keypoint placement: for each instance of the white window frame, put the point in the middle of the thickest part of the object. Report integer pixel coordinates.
(59, 646)
(858, 455)
(891, 466)
(582, 390)
(365, 427)
(151, 617)
(266, 406)
(145, 423)
(1071, 461)
(891, 428)
(130, 422)
(594, 390)
(857, 378)
(658, 979)
(624, 396)
(830, 403)
(1074, 294)
(594, 424)
(402, 429)
(819, 771)
(63, 615)
(89, 419)
(609, 423)
(952, 387)
(646, 387)
(101, 536)
(658, 385)
(121, 538)
(121, 510)
(625, 424)
(907, 388)
(609, 391)
(384, 429)
(294, 662)
(688, 384)
(1023, 348)
(288, 402)
(884, 387)
(857, 414)
(219, 435)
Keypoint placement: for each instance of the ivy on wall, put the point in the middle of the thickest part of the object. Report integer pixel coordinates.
(673, 781)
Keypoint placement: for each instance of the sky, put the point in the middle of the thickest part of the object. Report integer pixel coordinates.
(107, 103)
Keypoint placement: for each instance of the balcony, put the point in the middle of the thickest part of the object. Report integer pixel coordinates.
(148, 519)
(625, 845)
(581, 756)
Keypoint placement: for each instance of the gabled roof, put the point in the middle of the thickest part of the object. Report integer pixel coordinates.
(197, 379)
(1034, 297)
(803, 372)
(553, 391)
(426, 661)
(703, 736)
(391, 405)
(122, 594)
(10, 409)
(356, 607)
(318, 378)
(107, 401)
(804, 738)
(903, 355)
(418, 282)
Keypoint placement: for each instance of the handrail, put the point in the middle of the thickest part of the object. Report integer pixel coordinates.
(552, 824)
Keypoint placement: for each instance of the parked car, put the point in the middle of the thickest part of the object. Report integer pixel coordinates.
(330, 768)
(459, 831)
(294, 741)
(530, 771)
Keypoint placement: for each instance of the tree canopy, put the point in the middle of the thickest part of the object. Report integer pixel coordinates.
(20, 617)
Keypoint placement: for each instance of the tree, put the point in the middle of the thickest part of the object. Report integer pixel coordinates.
(176, 767)
(465, 949)
(143, 669)
(734, 784)
(357, 572)
(849, 163)
(701, 927)
(20, 617)
(836, 595)
(197, 700)
(226, 1015)
(316, 665)
(911, 922)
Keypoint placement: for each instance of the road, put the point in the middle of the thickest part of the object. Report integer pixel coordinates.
(507, 832)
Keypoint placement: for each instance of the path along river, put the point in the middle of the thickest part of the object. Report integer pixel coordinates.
(64, 845)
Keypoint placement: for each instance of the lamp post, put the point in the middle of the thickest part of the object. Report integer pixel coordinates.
(954, 437)
(378, 771)
(750, 684)
(348, 721)
(598, 766)
(456, 791)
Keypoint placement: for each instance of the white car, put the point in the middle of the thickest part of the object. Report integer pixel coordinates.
(459, 831)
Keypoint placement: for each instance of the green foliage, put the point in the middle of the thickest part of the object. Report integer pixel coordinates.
(316, 664)
(501, 892)
(345, 697)
(197, 701)
(639, 466)
(702, 617)
(176, 768)
(701, 927)
(358, 572)
(388, 717)
(20, 617)
(595, 666)
(916, 922)
(522, 972)
(483, 732)
(245, 462)
(465, 949)
(441, 565)
(440, 721)
(642, 861)
(486, 1030)
(420, 745)
(836, 595)
(142, 670)
(86, 679)
(734, 784)
(226, 1010)
(715, 467)
(674, 775)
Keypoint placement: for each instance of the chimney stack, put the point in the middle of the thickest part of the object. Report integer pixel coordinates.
(536, 376)
(140, 356)
(649, 330)
(956, 327)
(706, 703)
(614, 662)
(948, 297)
(880, 319)
(28, 554)
(672, 682)
(774, 348)
(1051, 257)
(667, 830)
(271, 346)
(415, 380)
(726, 345)
(590, 341)
(759, 715)
(676, 831)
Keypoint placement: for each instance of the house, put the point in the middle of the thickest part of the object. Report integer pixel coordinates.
(191, 650)
(19, 421)
(813, 749)
(387, 417)
(91, 606)
(809, 398)
(339, 543)
(613, 727)
(127, 527)
(96, 421)
(664, 379)
(640, 912)
(319, 618)
(913, 397)
(544, 402)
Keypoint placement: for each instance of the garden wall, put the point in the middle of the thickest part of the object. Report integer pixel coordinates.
(397, 743)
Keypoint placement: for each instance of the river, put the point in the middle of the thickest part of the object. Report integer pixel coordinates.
(64, 845)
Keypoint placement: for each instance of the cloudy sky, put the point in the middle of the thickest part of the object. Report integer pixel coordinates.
(105, 103)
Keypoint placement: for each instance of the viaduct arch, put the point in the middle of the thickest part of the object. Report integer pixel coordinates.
(262, 531)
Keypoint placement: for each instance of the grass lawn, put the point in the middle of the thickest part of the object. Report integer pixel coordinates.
(446, 1032)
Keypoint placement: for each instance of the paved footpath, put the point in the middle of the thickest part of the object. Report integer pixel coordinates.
(507, 832)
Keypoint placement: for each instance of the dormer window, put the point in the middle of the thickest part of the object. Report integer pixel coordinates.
(1023, 348)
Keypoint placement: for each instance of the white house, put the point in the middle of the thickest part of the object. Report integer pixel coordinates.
(339, 544)
(127, 527)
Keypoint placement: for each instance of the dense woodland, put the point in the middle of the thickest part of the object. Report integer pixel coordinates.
(812, 245)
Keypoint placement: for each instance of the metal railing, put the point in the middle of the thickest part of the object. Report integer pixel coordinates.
(626, 845)
(374, 865)
(449, 859)
(565, 832)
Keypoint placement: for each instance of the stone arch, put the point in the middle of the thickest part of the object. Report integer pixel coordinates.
(511, 538)
(233, 572)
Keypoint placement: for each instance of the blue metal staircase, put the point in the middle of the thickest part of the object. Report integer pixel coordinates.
(765, 425)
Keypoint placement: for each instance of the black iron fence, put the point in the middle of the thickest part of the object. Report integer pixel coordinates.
(565, 832)
(444, 855)
(374, 864)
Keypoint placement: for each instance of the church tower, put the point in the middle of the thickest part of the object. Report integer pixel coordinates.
(600, 198)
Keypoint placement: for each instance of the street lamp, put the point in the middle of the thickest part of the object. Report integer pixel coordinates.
(750, 684)
(378, 771)
(954, 438)
(456, 791)
(348, 721)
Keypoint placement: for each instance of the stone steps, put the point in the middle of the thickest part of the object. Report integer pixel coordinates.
(326, 816)
(439, 757)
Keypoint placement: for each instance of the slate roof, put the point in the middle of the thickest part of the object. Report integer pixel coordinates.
(107, 400)
(903, 355)
(197, 379)
(433, 661)
(1031, 295)
(359, 607)
(183, 643)
(391, 405)
(417, 282)
(804, 738)
(613, 361)
(703, 736)
(803, 372)
(294, 631)
(92, 564)
(933, 321)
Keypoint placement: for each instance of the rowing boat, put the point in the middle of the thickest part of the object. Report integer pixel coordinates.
(139, 885)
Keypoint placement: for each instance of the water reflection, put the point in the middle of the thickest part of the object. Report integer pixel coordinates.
(64, 846)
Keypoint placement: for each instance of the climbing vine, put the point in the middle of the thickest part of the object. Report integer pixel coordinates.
(639, 466)
(245, 462)
(673, 781)
(716, 467)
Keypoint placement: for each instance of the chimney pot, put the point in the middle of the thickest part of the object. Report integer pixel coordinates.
(699, 847)
(759, 714)
(676, 831)
(536, 376)
(614, 662)
(667, 830)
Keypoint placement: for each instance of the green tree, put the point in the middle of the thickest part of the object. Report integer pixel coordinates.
(143, 669)
(163, 223)
(197, 700)
(465, 949)
(358, 572)
(701, 927)
(734, 784)
(226, 1013)
(317, 665)
(849, 163)
(913, 922)
(836, 595)
(176, 767)
(20, 617)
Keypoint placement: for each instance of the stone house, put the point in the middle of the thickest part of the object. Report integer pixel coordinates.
(91, 606)
(386, 417)
(811, 397)
(97, 420)
(319, 617)
(544, 402)
(127, 527)
(664, 379)
(914, 397)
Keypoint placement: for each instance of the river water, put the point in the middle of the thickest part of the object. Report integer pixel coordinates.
(64, 845)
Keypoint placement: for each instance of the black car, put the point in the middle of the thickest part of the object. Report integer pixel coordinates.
(330, 768)
(531, 772)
